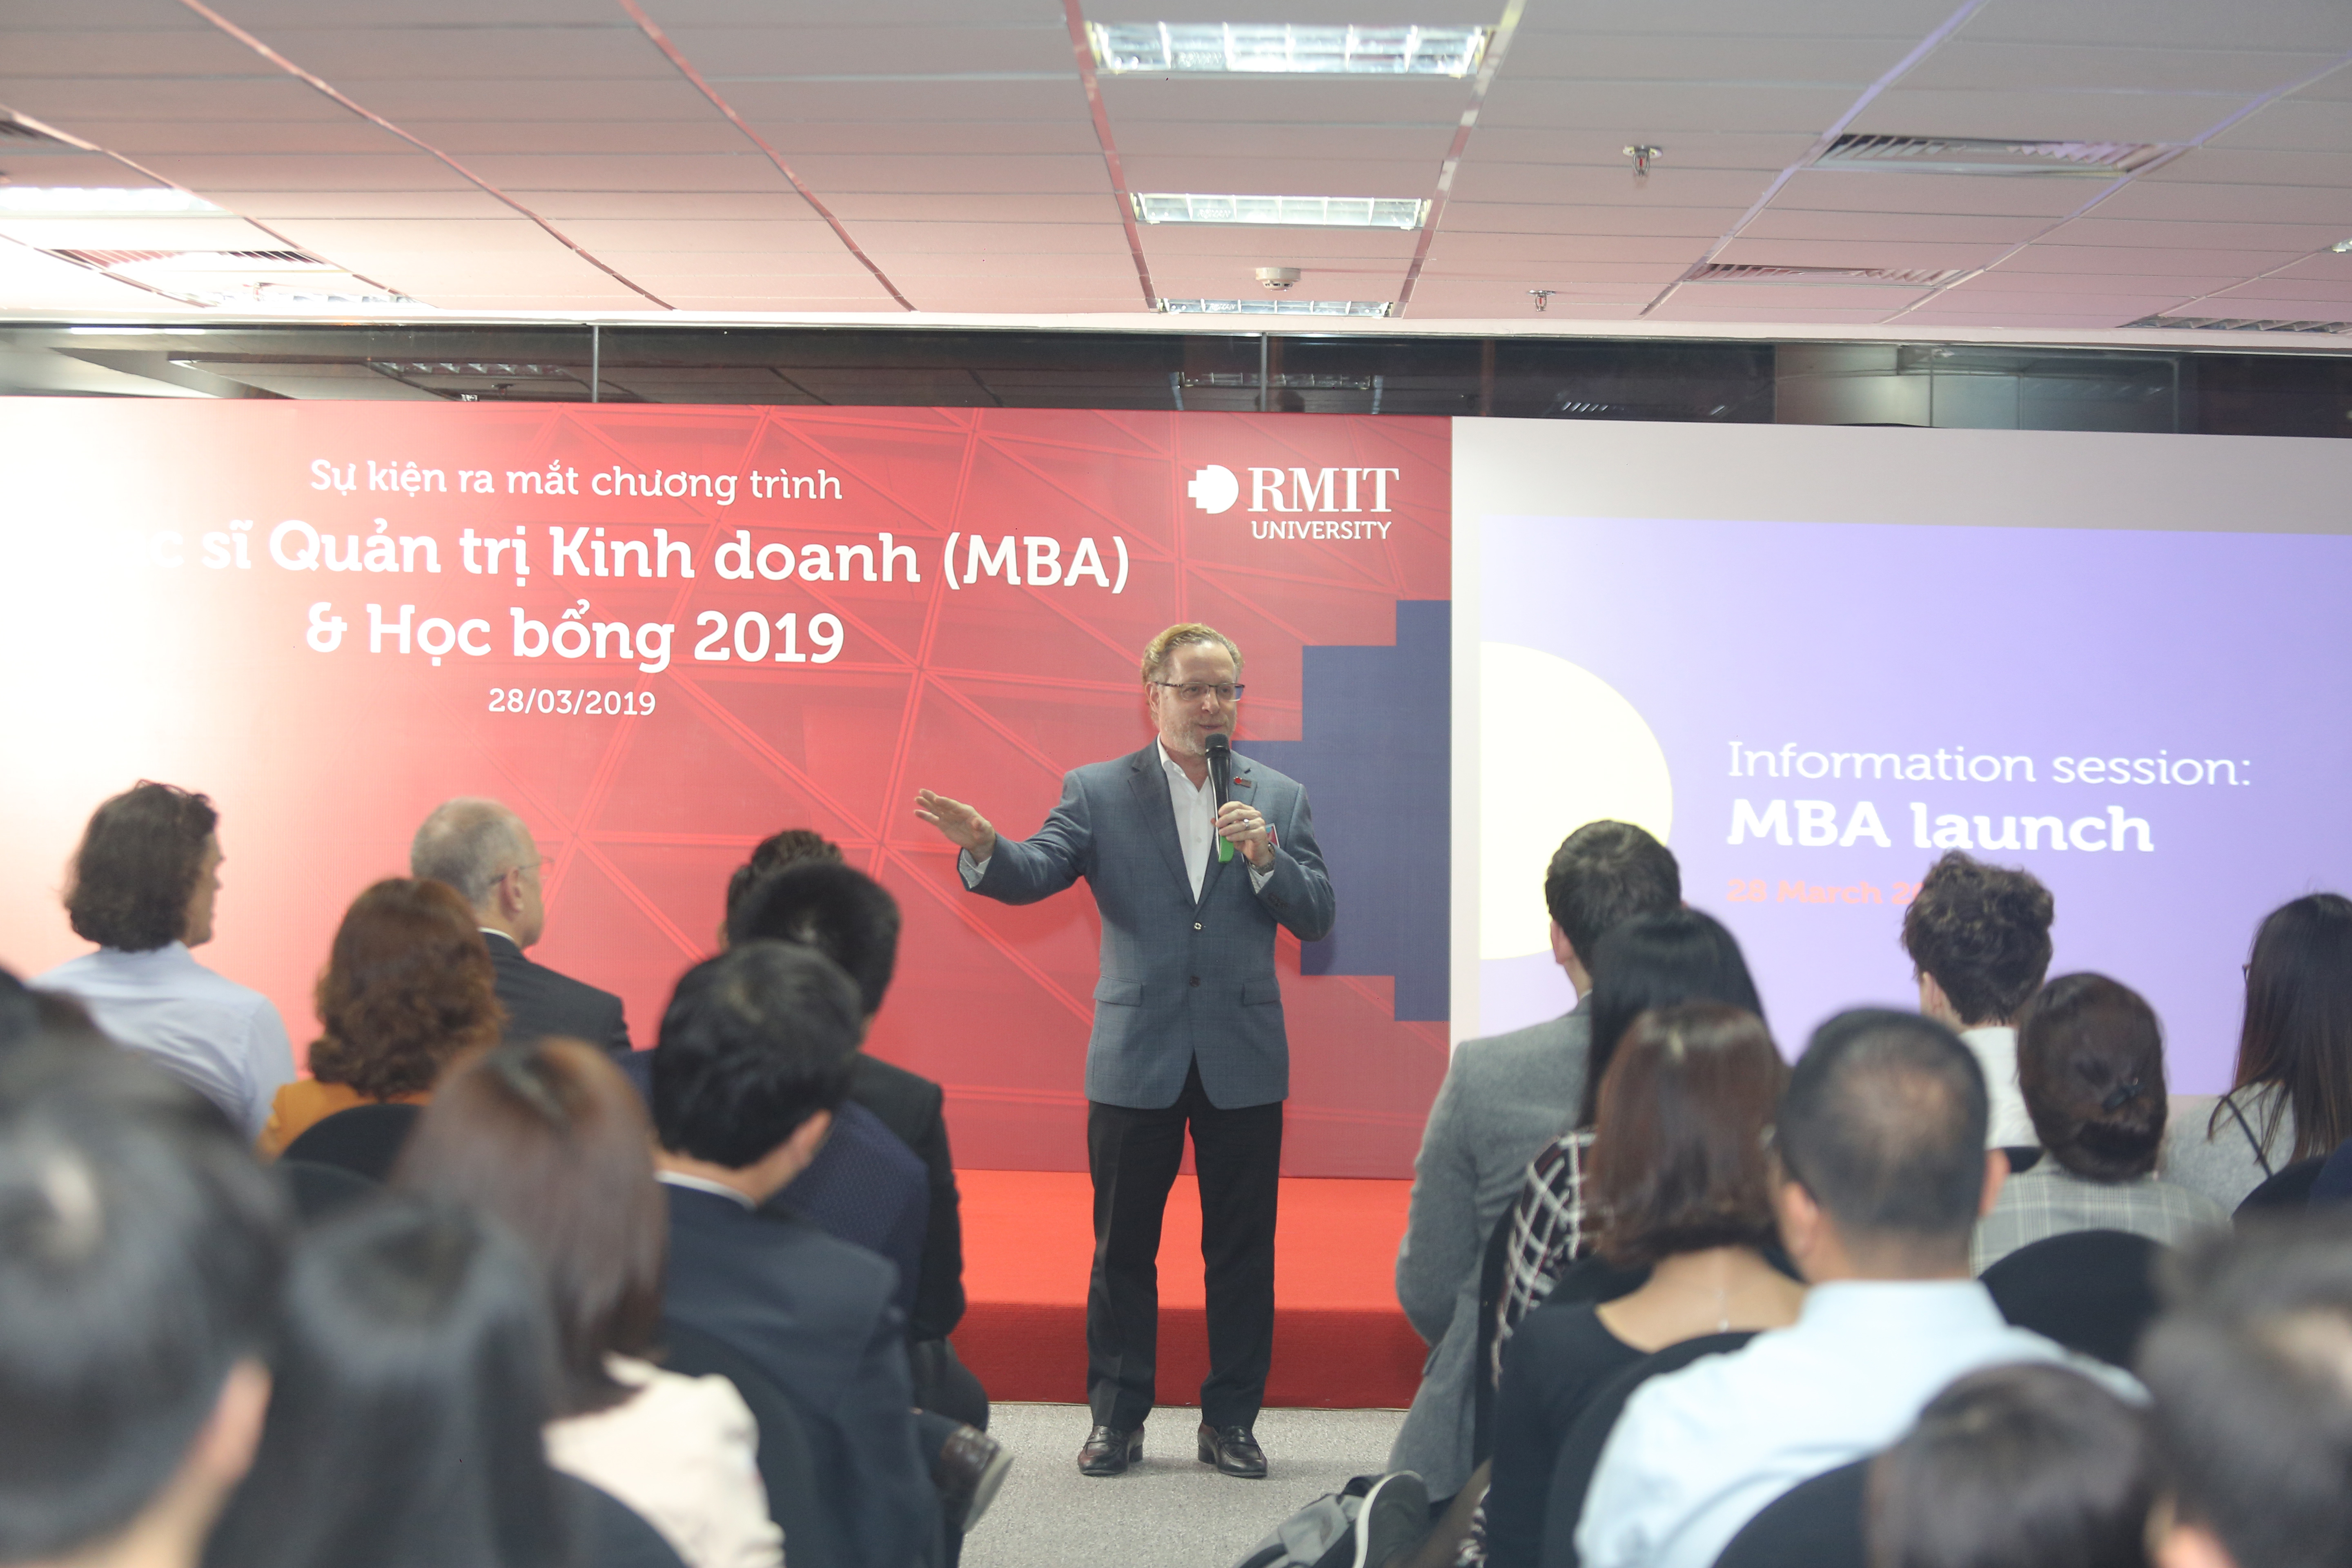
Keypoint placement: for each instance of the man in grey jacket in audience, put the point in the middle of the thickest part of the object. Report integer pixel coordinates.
(1504, 1098)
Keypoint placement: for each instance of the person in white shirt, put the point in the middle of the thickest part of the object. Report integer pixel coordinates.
(1883, 1174)
(1979, 937)
(143, 885)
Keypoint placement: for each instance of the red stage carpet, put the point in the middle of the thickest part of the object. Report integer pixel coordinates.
(1339, 1340)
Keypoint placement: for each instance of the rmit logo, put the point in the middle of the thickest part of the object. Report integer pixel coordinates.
(1214, 489)
(1348, 491)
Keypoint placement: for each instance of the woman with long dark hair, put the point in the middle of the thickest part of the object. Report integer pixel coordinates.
(1649, 961)
(2291, 1097)
(414, 1370)
(548, 1136)
(1678, 1184)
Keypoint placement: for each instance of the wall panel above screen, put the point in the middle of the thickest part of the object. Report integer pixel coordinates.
(1817, 658)
(663, 633)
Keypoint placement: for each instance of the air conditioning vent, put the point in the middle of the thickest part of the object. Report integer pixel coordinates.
(2240, 324)
(104, 260)
(1888, 277)
(1990, 156)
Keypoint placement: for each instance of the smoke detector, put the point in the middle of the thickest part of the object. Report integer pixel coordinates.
(1277, 278)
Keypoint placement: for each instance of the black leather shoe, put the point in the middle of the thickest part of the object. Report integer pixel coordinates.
(970, 1467)
(1233, 1451)
(1108, 1451)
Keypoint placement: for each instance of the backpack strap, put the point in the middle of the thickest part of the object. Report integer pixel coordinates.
(2262, 1158)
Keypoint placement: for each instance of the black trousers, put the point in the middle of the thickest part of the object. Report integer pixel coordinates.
(1134, 1155)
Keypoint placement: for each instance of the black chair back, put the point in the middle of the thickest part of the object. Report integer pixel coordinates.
(323, 1192)
(813, 1537)
(1817, 1523)
(612, 1533)
(1492, 1268)
(1579, 1450)
(366, 1139)
(2289, 1188)
(2094, 1291)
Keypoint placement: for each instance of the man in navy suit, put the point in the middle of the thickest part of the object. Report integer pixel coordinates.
(481, 848)
(754, 1059)
(1188, 1028)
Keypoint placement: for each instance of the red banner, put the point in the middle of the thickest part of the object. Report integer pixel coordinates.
(662, 633)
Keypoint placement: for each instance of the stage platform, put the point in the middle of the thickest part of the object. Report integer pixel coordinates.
(1340, 1342)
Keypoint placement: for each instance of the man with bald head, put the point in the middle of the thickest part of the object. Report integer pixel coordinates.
(480, 847)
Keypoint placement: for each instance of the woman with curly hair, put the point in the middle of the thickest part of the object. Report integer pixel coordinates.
(407, 989)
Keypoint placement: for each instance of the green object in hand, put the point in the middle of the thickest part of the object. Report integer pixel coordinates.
(1225, 850)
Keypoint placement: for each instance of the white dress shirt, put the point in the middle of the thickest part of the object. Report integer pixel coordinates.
(703, 1185)
(222, 1039)
(1995, 1049)
(1700, 1452)
(1195, 806)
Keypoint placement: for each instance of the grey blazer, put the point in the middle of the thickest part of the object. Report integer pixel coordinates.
(1504, 1098)
(1181, 981)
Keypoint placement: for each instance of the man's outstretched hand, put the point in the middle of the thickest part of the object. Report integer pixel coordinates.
(959, 824)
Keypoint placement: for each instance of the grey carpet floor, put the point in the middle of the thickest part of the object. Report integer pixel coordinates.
(1171, 1511)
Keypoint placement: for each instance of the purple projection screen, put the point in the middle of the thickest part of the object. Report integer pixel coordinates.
(2152, 720)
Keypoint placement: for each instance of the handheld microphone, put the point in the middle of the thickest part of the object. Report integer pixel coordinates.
(1219, 748)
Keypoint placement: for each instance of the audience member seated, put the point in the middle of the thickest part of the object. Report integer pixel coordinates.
(407, 989)
(1503, 1098)
(789, 847)
(1979, 937)
(412, 1374)
(2291, 1096)
(866, 1185)
(2251, 1371)
(755, 1055)
(854, 921)
(482, 849)
(1883, 1174)
(2016, 1466)
(2090, 1058)
(143, 887)
(547, 1136)
(1651, 961)
(139, 1281)
(1679, 1184)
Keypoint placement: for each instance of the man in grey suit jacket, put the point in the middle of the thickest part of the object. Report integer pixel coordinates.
(1504, 1098)
(1188, 1027)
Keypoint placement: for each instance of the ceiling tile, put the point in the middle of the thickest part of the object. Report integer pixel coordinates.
(299, 172)
(1657, 110)
(827, 172)
(663, 205)
(65, 101)
(1709, 223)
(651, 98)
(1973, 229)
(2318, 25)
(2232, 204)
(2298, 125)
(1825, 190)
(745, 170)
(1041, 44)
(2153, 261)
(1666, 185)
(718, 240)
(2133, 233)
(1930, 255)
(577, 52)
(1970, 64)
(910, 100)
(1584, 147)
(1571, 58)
(956, 206)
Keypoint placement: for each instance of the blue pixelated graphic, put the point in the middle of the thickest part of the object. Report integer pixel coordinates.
(1376, 758)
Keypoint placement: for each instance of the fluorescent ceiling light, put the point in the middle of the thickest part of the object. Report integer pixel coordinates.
(1284, 49)
(1302, 211)
(1277, 307)
(250, 278)
(78, 201)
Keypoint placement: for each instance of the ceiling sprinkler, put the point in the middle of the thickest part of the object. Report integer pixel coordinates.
(1543, 299)
(1277, 278)
(1642, 153)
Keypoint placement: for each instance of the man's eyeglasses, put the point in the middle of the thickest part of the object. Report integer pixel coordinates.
(542, 864)
(1194, 690)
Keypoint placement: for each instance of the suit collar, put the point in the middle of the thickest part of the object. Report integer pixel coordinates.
(501, 944)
